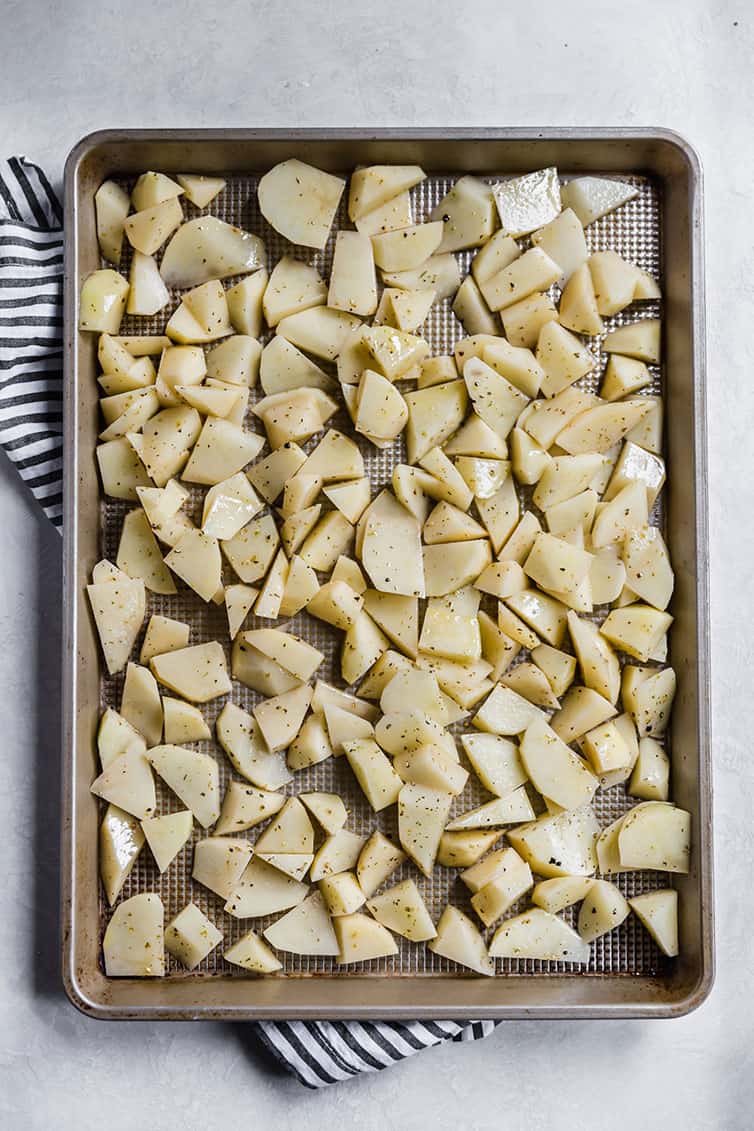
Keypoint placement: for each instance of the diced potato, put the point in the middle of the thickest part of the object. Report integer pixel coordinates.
(382, 413)
(121, 470)
(353, 284)
(197, 673)
(326, 696)
(655, 835)
(560, 892)
(651, 700)
(280, 717)
(290, 832)
(581, 711)
(555, 771)
(538, 934)
(599, 665)
(147, 292)
(363, 645)
(300, 201)
(406, 309)
(563, 240)
(578, 304)
(511, 879)
(658, 912)
(626, 511)
(251, 551)
(219, 863)
(593, 197)
(528, 202)
(133, 944)
(244, 807)
(111, 205)
(147, 230)
(373, 185)
(527, 680)
(434, 415)
(140, 703)
(120, 841)
(115, 735)
(650, 779)
(196, 559)
(394, 213)
(190, 936)
(459, 940)
(252, 953)
(439, 273)
(307, 929)
(547, 418)
(472, 311)
(361, 938)
(342, 893)
(532, 271)
(127, 782)
(495, 399)
(510, 810)
(103, 301)
(602, 426)
(422, 814)
(344, 726)
(264, 890)
(293, 286)
(563, 360)
(462, 848)
(407, 248)
(623, 376)
(432, 767)
(374, 772)
(648, 570)
(523, 320)
(636, 629)
(402, 909)
(328, 809)
(468, 214)
(166, 835)
(603, 909)
(377, 861)
(245, 303)
(559, 845)
(339, 853)
(311, 745)
(183, 722)
(640, 340)
(194, 778)
(200, 189)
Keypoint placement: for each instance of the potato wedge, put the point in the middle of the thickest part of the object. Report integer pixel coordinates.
(133, 944)
(300, 201)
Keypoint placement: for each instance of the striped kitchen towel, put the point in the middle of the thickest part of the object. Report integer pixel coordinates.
(31, 331)
(31, 424)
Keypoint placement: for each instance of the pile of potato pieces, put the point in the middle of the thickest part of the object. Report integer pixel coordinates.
(504, 412)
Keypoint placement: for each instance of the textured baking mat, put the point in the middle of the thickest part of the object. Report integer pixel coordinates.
(634, 232)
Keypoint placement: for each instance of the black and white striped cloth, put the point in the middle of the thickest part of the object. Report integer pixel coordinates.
(31, 425)
(31, 331)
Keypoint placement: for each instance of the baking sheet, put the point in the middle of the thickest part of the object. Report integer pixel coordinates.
(634, 232)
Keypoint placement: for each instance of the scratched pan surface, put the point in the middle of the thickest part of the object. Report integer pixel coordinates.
(636, 232)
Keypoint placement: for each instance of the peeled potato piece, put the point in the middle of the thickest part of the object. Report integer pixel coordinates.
(362, 939)
(244, 807)
(422, 815)
(342, 893)
(592, 197)
(468, 214)
(263, 890)
(559, 845)
(307, 929)
(166, 835)
(252, 953)
(197, 673)
(128, 783)
(538, 934)
(103, 301)
(658, 912)
(459, 940)
(147, 230)
(406, 248)
(111, 205)
(300, 201)
(200, 189)
(208, 248)
(133, 944)
(219, 862)
(603, 909)
(118, 608)
(147, 291)
(190, 936)
(655, 835)
(560, 892)
(120, 841)
(374, 185)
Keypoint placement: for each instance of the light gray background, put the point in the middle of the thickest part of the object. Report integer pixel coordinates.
(68, 68)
